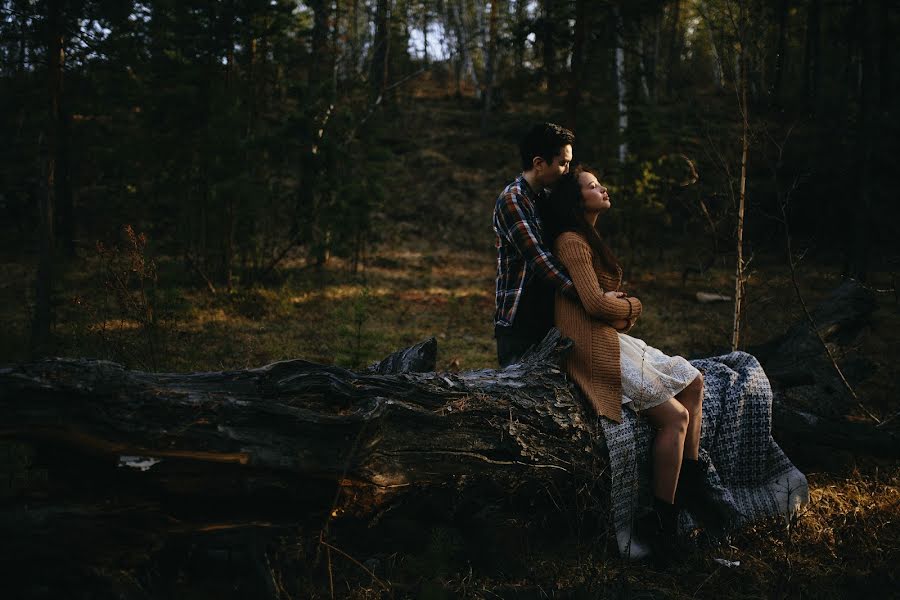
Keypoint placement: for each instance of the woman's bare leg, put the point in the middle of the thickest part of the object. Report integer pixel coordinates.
(691, 398)
(671, 420)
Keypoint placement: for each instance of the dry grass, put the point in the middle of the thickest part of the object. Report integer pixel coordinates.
(434, 276)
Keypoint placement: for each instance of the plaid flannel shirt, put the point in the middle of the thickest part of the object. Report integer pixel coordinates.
(521, 254)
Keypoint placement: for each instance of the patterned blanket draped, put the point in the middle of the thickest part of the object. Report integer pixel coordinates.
(747, 468)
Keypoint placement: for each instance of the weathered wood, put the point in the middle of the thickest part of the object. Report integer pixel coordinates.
(796, 357)
(296, 443)
(290, 442)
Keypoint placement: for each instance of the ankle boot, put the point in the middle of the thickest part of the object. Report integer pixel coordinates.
(696, 495)
(659, 530)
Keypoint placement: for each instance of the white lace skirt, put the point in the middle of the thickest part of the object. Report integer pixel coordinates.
(650, 377)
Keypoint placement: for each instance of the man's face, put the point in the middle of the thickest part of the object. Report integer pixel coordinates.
(552, 171)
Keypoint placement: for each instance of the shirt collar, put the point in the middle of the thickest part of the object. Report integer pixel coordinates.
(528, 191)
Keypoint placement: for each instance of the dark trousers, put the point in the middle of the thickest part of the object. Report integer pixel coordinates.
(512, 345)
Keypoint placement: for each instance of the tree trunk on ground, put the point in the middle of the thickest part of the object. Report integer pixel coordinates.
(380, 434)
(112, 464)
(289, 442)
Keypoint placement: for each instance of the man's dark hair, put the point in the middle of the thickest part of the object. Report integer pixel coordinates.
(544, 140)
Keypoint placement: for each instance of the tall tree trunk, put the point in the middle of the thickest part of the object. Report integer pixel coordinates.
(520, 36)
(548, 42)
(653, 69)
(319, 75)
(40, 326)
(642, 63)
(425, 23)
(868, 109)
(674, 48)
(489, 67)
(621, 87)
(23, 48)
(381, 53)
(576, 73)
(354, 43)
(65, 205)
(467, 68)
(781, 52)
(230, 92)
(885, 60)
(812, 68)
(336, 49)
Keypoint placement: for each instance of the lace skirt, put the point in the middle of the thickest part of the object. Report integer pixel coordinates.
(650, 377)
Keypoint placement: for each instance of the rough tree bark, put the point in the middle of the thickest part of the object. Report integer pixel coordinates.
(105, 464)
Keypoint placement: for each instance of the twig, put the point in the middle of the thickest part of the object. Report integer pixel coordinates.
(280, 256)
(192, 264)
(889, 419)
(329, 547)
(812, 323)
(330, 571)
(704, 581)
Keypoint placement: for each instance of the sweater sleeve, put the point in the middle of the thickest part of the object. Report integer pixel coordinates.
(575, 255)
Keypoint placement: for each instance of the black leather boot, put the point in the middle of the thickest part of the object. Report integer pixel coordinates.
(659, 530)
(695, 495)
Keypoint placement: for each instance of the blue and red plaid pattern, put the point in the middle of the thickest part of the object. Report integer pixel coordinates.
(521, 254)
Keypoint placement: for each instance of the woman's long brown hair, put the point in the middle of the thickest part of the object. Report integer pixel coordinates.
(564, 211)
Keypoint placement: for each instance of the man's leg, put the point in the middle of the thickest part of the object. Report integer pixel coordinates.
(511, 347)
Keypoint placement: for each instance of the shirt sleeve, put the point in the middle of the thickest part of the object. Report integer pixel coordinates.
(515, 227)
(575, 254)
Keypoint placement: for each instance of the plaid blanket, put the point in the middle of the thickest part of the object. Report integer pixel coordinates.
(747, 468)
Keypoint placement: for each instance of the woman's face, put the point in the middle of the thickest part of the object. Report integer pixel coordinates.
(595, 196)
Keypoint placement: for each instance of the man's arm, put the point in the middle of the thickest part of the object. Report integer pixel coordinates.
(522, 232)
(607, 306)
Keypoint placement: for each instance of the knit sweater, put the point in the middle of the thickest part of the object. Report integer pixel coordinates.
(594, 362)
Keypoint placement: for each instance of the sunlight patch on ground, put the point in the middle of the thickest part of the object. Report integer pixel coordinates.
(114, 325)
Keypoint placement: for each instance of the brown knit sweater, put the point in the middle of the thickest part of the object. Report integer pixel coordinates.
(594, 362)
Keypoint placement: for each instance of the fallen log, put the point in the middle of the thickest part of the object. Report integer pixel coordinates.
(291, 442)
(98, 458)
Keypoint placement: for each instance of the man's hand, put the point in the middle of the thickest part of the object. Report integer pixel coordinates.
(614, 294)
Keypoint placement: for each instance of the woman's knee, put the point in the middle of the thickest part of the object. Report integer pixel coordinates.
(682, 418)
(692, 396)
(671, 416)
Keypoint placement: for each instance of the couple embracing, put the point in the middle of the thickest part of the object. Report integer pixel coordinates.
(554, 269)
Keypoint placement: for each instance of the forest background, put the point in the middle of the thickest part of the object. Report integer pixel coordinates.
(199, 185)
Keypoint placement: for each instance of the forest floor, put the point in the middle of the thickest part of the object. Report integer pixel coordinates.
(432, 274)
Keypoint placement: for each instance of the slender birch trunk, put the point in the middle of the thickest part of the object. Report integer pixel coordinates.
(620, 87)
(745, 142)
(489, 67)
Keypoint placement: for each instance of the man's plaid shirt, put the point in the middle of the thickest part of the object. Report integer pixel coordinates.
(521, 253)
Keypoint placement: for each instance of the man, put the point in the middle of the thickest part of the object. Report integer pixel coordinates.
(528, 275)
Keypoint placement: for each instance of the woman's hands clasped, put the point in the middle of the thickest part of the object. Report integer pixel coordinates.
(619, 324)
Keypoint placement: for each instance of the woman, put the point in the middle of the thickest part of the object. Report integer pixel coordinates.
(612, 368)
